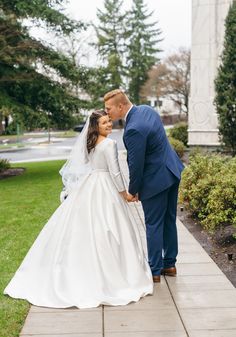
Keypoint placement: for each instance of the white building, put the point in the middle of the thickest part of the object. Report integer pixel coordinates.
(208, 18)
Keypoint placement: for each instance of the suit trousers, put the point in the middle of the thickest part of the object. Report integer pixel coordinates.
(160, 218)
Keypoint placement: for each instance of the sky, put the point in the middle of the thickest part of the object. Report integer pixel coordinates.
(173, 16)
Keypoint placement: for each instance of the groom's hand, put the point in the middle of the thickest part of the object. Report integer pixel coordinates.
(131, 197)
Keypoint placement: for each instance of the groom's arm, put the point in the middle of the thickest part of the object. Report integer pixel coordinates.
(136, 149)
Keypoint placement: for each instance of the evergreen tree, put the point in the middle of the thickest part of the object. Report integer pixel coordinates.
(141, 49)
(110, 41)
(34, 77)
(225, 84)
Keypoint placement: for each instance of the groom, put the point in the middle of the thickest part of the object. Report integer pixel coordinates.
(154, 176)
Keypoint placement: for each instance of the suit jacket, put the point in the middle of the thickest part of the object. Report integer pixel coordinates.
(153, 164)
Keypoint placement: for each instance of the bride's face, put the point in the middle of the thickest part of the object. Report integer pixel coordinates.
(104, 126)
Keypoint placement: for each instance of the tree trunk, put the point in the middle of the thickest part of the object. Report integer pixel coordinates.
(6, 121)
(1, 127)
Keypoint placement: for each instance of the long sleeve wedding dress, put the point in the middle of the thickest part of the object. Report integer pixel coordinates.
(90, 251)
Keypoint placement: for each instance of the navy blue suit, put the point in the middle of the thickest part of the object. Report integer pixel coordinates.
(154, 173)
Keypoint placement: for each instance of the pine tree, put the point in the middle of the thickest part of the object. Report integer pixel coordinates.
(34, 78)
(141, 49)
(225, 84)
(110, 40)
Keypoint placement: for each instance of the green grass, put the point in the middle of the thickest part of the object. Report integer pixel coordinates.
(27, 202)
(12, 145)
(63, 134)
(66, 134)
(7, 137)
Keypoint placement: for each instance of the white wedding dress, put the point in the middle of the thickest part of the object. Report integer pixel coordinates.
(90, 251)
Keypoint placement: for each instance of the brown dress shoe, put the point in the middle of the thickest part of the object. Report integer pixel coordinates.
(156, 278)
(169, 271)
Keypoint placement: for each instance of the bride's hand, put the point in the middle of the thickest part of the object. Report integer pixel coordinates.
(124, 195)
(131, 198)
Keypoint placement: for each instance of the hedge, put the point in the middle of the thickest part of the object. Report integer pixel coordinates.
(208, 189)
(180, 132)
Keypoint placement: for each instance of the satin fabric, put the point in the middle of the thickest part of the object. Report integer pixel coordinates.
(90, 251)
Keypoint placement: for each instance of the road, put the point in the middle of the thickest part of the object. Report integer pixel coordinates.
(58, 149)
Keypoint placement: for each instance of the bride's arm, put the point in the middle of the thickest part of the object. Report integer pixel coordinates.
(111, 154)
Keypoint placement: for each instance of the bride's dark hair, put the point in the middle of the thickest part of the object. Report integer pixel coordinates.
(93, 128)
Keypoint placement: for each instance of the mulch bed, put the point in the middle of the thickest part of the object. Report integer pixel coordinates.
(11, 172)
(220, 246)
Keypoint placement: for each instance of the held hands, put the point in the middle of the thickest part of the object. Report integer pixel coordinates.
(129, 197)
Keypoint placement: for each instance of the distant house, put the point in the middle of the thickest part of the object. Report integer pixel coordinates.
(167, 108)
(163, 105)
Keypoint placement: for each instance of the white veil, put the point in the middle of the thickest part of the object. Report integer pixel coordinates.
(78, 165)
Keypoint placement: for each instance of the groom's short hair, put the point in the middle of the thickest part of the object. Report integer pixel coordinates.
(119, 95)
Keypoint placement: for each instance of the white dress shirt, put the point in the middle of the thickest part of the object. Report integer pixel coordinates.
(128, 112)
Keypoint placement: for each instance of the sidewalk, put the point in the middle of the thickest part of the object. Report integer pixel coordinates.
(199, 302)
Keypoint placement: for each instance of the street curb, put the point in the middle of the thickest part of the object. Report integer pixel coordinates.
(14, 149)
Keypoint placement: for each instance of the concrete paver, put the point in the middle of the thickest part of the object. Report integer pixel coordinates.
(143, 320)
(203, 282)
(199, 302)
(212, 333)
(198, 269)
(67, 322)
(209, 319)
(161, 299)
(193, 257)
(51, 310)
(148, 334)
(202, 299)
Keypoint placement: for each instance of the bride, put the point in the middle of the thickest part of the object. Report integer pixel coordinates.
(90, 251)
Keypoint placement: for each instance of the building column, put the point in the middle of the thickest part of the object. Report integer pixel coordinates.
(208, 17)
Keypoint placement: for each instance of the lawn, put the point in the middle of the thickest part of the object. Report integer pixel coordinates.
(27, 201)
(58, 134)
(11, 145)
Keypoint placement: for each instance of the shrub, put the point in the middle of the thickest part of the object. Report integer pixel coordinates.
(180, 132)
(177, 145)
(4, 164)
(221, 206)
(208, 188)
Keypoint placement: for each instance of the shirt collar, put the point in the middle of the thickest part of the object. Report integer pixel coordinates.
(128, 112)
